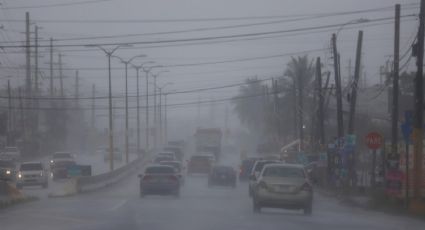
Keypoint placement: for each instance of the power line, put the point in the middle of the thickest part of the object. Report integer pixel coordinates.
(178, 20)
(54, 5)
(122, 96)
(210, 37)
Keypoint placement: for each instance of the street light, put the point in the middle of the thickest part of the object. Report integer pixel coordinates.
(147, 70)
(160, 110)
(111, 138)
(138, 67)
(126, 62)
(155, 109)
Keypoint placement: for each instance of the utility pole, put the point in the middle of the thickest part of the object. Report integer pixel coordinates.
(21, 108)
(93, 115)
(60, 75)
(9, 114)
(36, 61)
(294, 94)
(338, 90)
(155, 120)
(77, 88)
(138, 108)
(419, 99)
(160, 116)
(28, 55)
(165, 118)
(395, 112)
(51, 67)
(355, 83)
(321, 123)
(301, 109)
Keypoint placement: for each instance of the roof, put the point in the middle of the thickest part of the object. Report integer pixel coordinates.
(284, 165)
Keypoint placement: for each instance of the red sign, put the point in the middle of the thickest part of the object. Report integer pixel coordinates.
(374, 140)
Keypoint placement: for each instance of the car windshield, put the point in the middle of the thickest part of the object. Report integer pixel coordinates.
(200, 159)
(260, 165)
(281, 171)
(31, 166)
(6, 164)
(160, 170)
(62, 155)
(176, 165)
(64, 163)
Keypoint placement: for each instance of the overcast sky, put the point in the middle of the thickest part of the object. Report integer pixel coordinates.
(124, 17)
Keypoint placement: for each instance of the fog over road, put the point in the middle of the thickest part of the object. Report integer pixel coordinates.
(198, 207)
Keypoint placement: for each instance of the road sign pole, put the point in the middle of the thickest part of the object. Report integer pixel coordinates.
(406, 161)
(373, 178)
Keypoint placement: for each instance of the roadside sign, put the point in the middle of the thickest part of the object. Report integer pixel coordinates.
(374, 140)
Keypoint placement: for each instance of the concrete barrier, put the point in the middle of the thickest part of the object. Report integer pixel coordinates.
(92, 183)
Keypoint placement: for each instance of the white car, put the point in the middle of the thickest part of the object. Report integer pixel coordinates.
(32, 173)
(283, 186)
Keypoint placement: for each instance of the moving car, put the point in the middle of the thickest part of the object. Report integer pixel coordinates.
(199, 164)
(283, 186)
(167, 154)
(60, 156)
(176, 150)
(159, 159)
(255, 172)
(246, 168)
(7, 170)
(32, 173)
(177, 166)
(159, 179)
(60, 169)
(11, 153)
(222, 175)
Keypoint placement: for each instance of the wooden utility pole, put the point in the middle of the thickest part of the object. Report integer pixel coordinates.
(321, 115)
(301, 110)
(395, 112)
(355, 83)
(419, 99)
(60, 75)
(77, 88)
(51, 67)
(28, 55)
(36, 83)
(338, 90)
(9, 114)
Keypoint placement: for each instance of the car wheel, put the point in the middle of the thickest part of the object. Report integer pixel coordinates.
(256, 206)
(308, 209)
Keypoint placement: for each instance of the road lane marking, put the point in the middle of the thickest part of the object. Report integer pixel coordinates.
(117, 206)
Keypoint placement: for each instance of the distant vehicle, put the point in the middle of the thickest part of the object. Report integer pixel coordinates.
(32, 173)
(246, 168)
(159, 179)
(167, 154)
(199, 164)
(178, 152)
(116, 157)
(60, 169)
(177, 166)
(255, 172)
(159, 159)
(11, 153)
(222, 175)
(7, 170)
(208, 140)
(60, 156)
(283, 186)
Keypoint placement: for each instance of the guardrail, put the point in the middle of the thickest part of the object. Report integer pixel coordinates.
(91, 183)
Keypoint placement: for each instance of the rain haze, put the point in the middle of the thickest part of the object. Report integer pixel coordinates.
(225, 114)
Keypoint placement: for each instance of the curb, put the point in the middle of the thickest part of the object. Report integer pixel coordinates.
(16, 201)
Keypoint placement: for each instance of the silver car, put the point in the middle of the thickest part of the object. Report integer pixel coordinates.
(159, 179)
(32, 173)
(283, 186)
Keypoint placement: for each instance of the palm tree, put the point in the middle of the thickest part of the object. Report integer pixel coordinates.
(301, 70)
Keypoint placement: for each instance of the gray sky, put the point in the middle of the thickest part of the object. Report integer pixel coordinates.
(378, 39)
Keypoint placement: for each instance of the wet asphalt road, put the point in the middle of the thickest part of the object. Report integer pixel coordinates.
(198, 207)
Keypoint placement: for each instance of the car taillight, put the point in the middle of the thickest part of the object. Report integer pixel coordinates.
(306, 187)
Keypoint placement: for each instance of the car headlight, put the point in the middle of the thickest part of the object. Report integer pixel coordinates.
(19, 175)
(41, 174)
(51, 161)
(8, 172)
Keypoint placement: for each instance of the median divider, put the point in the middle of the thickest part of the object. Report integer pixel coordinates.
(91, 183)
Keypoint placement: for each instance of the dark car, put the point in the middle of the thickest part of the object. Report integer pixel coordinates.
(199, 164)
(223, 176)
(178, 167)
(7, 170)
(159, 179)
(60, 169)
(246, 167)
(159, 159)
